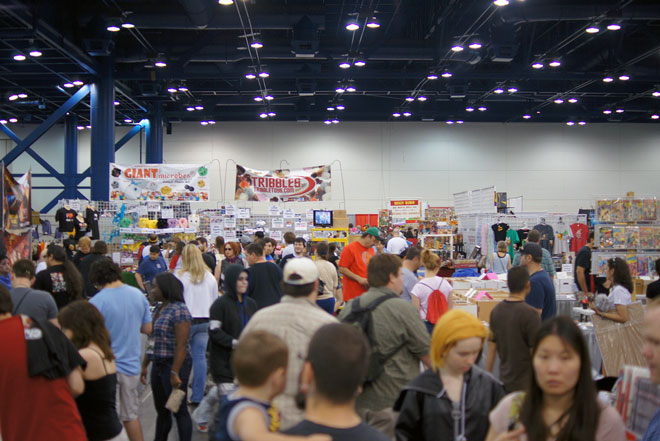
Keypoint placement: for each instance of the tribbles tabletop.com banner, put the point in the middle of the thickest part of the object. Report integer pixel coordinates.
(159, 182)
(307, 185)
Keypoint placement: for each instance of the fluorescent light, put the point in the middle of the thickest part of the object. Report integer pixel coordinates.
(172, 89)
(340, 89)
(183, 89)
(607, 112)
(256, 45)
(226, 2)
(421, 98)
(482, 109)
(449, 122)
(352, 25)
(3, 121)
(582, 123)
(460, 121)
(527, 116)
(340, 107)
(258, 99)
(13, 97)
(263, 115)
(13, 120)
(116, 103)
(80, 127)
(211, 122)
(22, 95)
(351, 89)
(330, 109)
(570, 123)
(410, 99)
(160, 64)
(475, 45)
(593, 29)
(512, 89)
(327, 122)
(360, 63)
(78, 83)
(554, 63)
(68, 85)
(501, 2)
(559, 101)
(457, 48)
(264, 74)
(620, 110)
(250, 76)
(572, 100)
(432, 77)
(655, 116)
(614, 26)
(128, 120)
(269, 98)
(538, 65)
(199, 107)
(190, 109)
(35, 53)
(335, 121)
(127, 25)
(608, 79)
(469, 109)
(498, 90)
(19, 56)
(204, 123)
(447, 74)
(656, 93)
(624, 77)
(396, 114)
(407, 114)
(344, 65)
(113, 28)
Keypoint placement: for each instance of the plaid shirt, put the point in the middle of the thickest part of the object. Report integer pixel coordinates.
(164, 334)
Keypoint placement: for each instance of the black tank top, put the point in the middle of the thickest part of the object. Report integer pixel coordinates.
(97, 407)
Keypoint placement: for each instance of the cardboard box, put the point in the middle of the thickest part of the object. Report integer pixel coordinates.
(339, 214)
(339, 223)
(485, 307)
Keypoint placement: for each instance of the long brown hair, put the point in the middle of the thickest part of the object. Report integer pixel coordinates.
(87, 325)
(621, 274)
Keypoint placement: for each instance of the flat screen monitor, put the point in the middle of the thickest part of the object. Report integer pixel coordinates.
(322, 218)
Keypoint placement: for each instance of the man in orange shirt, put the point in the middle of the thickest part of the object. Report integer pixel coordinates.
(353, 263)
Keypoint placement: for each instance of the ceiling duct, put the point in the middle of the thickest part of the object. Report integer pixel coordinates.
(150, 89)
(198, 12)
(306, 87)
(305, 43)
(98, 47)
(503, 43)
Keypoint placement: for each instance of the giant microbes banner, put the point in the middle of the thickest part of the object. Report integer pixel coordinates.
(306, 185)
(159, 182)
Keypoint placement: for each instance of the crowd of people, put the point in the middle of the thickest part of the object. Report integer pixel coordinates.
(248, 344)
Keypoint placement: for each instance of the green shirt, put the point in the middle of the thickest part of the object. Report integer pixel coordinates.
(395, 322)
(513, 237)
(546, 262)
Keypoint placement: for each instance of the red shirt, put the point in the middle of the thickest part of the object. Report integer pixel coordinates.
(580, 236)
(32, 408)
(355, 257)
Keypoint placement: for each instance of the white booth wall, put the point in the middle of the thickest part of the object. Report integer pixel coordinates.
(554, 167)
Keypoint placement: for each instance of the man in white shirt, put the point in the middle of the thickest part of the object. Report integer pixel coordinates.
(397, 243)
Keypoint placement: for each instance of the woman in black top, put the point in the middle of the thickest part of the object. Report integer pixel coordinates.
(62, 279)
(85, 327)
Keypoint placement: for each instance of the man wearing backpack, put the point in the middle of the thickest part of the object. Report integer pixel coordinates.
(398, 338)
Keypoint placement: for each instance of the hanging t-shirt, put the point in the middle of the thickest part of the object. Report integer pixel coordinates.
(499, 230)
(514, 239)
(547, 235)
(66, 219)
(92, 221)
(580, 236)
(562, 239)
(522, 234)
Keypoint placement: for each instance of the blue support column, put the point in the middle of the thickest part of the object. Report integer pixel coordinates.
(155, 135)
(103, 130)
(70, 156)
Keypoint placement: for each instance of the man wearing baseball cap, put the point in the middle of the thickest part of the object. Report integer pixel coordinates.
(353, 263)
(542, 293)
(295, 319)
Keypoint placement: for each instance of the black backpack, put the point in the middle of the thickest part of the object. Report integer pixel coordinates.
(361, 317)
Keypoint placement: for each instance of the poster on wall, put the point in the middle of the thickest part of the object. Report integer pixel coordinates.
(405, 209)
(17, 211)
(306, 185)
(159, 182)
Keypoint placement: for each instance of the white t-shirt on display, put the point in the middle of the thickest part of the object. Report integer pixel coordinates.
(620, 296)
(423, 289)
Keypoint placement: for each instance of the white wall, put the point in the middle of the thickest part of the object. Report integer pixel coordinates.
(553, 166)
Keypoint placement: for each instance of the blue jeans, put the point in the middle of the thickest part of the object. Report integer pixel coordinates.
(199, 339)
(328, 305)
(161, 389)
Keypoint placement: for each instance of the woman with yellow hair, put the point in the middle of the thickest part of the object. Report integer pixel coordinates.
(199, 292)
(452, 399)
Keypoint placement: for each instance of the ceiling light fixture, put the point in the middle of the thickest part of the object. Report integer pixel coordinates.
(407, 114)
(183, 89)
(624, 77)
(460, 121)
(396, 114)
(211, 122)
(538, 65)
(421, 98)
(572, 100)
(608, 79)
(457, 48)
(269, 98)
(582, 123)
(199, 107)
(340, 107)
(190, 109)
(263, 115)
(172, 89)
(330, 109)
(340, 89)
(272, 114)
(593, 29)
(351, 89)
(68, 85)
(620, 110)
(447, 74)
(655, 116)
(264, 74)
(258, 99)
(335, 121)
(18, 56)
(512, 89)
(78, 83)
(373, 23)
(344, 65)
(13, 97)
(607, 112)
(34, 52)
(22, 95)
(554, 63)
(527, 116)
(656, 93)
(128, 120)
(614, 26)
(498, 90)
(204, 123)
(160, 63)
(13, 120)
(559, 101)
(113, 28)
(80, 127)
(501, 2)
(116, 103)
(469, 109)
(226, 2)
(3, 121)
(250, 76)
(256, 45)
(450, 122)
(127, 25)
(431, 76)
(327, 122)
(570, 123)
(410, 99)
(474, 45)
(482, 109)
(360, 63)
(352, 25)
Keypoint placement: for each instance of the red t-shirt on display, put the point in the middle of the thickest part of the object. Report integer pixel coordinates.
(580, 236)
(33, 408)
(355, 257)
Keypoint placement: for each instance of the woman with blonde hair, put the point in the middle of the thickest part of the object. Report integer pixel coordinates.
(501, 260)
(199, 292)
(452, 399)
(431, 282)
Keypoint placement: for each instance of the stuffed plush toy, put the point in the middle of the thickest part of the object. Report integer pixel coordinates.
(152, 223)
(183, 223)
(143, 222)
(172, 223)
(162, 223)
(193, 221)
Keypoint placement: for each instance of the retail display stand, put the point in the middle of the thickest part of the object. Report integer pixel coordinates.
(443, 244)
(628, 228)
(338, 235)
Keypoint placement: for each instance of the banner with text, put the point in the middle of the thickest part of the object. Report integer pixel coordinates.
(159, 182)
(17, 209)
(307, 185)
(405, 209)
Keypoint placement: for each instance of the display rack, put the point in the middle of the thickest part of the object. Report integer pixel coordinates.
(628, 228)
(443, 244)
(337, 235)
